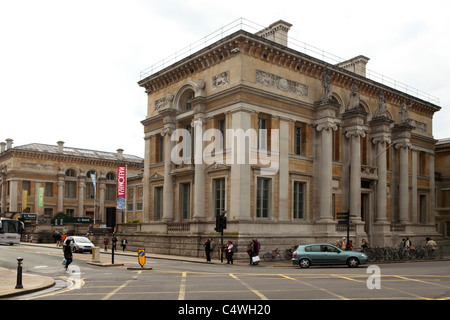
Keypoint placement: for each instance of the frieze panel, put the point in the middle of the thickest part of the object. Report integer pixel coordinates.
(37, 166)
(271, 80)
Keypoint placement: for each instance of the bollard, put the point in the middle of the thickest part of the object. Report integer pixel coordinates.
(19, 273)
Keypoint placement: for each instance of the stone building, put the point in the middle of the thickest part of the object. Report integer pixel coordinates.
(315, 139)
(443, 187)
(65, 173)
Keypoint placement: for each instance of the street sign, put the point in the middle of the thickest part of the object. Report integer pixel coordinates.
(141, 257)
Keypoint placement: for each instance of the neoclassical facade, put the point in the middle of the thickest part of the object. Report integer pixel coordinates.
(317, 139)
(65, 173)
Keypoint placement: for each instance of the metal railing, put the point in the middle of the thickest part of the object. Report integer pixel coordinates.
(392, 254)
(252, 27)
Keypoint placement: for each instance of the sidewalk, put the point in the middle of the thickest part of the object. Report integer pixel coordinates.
(31, 282)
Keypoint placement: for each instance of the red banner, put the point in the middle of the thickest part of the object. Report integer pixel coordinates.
(121, 182)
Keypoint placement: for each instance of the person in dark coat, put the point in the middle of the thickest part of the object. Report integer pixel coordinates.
(67, 254)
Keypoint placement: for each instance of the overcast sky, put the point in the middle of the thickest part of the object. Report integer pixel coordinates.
(69, 69)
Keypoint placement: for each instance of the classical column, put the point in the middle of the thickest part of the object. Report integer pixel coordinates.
(355, 173)
(240, 170)
(403, 188)
(81, 194)
(401, 134)
(432, 203)
(381, 212)
(381, 137)
(199, 174)
(283, 171)
(325, 121)
(146, 206)
(168, 198)
(355, 129)
(326, 169)
(61, 183)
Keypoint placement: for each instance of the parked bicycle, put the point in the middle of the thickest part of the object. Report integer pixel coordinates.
(271, 255)
(288, 253)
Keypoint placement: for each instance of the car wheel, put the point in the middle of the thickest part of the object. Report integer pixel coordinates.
(353, 262)
(304, 263)
(74, 249)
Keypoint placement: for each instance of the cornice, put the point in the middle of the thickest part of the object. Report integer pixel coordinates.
(277, 54)
(26, 154)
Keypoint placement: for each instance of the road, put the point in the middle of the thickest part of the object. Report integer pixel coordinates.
(178, 280)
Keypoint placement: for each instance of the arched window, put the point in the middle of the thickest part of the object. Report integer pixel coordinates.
(70, 173)
(185, 100)
(110, 176)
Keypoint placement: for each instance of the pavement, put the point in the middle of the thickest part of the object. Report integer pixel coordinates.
(32, 282)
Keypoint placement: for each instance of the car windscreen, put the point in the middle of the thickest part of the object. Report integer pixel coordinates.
(81, 240)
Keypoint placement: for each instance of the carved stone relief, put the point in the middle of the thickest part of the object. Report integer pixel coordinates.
(221, 79)
(271, 80)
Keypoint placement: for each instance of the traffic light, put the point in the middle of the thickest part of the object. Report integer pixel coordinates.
(221, 223)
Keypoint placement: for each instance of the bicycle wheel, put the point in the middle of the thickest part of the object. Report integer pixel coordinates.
(288, 254)
(268, 256)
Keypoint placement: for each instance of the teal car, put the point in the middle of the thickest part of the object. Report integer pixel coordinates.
(326, 254)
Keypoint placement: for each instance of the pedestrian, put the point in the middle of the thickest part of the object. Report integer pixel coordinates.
(67, 253)
(63, 237)
(208, 249)
(58, 239)
(431, 247)
(114, 243)
(350, 245)
(229, 252)
(408, 243)
(124, 243)
(106, 242)
(343, 244)
(364, 244)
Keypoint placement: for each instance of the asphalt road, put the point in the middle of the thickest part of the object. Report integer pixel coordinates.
(202, 282)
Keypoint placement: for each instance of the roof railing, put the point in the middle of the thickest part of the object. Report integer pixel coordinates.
(302, 47)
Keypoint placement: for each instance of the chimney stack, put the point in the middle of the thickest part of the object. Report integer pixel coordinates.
(9, 143)
(276, 32)
(120, 154)
(2, 147)
(60, 146)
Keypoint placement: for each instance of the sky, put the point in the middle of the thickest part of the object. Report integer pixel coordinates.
(69, 69)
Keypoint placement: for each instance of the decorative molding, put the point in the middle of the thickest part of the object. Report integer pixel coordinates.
(274, 81)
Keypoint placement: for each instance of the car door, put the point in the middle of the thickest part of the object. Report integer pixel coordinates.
(313, 252)
(331, 255)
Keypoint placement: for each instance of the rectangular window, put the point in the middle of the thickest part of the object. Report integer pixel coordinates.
(110, 193)
(222, 128)
(262, 197)
(159, 148)
(70, 190)
(219, 196)
(423, 208)
(90, 190)
(298, 140)
(70, 212)
(26, 186)
(48, 189)
(262, 133)
(299, 200)
(158, 203)
(185, 201)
